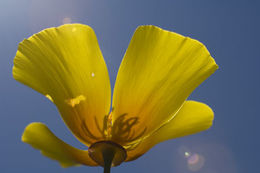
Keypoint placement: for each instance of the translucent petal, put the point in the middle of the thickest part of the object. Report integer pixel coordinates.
(40, 137)
(192, 118)
(66, 65)
(159, 71)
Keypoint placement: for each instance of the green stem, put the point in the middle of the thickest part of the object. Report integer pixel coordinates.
(107, 168)
(108, 156)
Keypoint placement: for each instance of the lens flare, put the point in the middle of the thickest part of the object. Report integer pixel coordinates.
(195, 162)
(204, 157)
(187, 154)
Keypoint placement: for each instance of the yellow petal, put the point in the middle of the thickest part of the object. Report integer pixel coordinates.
(66, 65)
(159, 71)
(40, 137)
(192, 118)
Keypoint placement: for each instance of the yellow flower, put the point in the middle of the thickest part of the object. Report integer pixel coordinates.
(159, 71)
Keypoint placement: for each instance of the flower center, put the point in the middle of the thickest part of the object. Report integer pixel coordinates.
(107, 153)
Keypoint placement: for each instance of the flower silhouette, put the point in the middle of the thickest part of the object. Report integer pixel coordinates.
(159, 71)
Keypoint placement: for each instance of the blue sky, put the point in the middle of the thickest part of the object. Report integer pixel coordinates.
(229, 29)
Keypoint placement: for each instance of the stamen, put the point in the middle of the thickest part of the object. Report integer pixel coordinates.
(49, 97)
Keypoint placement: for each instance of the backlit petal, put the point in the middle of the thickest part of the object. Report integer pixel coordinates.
(159, 71)
(40, 137)
(192, 118)
(66, 65)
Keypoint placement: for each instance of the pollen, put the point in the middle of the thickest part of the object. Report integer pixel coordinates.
(75, 101)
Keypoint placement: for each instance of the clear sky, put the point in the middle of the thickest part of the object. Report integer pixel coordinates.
(229, 29)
